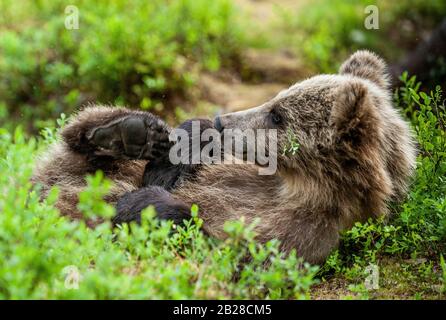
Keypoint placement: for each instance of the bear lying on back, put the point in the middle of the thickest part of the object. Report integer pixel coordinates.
(356, 154)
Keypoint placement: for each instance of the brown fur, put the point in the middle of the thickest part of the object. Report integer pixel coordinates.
(356, 155)
(66, 167)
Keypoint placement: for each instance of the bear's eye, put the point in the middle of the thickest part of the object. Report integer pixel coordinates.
(276, 118)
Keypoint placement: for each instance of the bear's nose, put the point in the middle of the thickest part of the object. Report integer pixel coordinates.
(217, 124)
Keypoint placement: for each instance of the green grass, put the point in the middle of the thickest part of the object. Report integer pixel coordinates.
(323, 33)
(38, 247)
(143, 53)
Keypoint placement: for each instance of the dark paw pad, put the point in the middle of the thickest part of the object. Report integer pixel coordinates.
(132, 137)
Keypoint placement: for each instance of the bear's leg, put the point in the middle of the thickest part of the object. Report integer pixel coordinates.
(117, 133)
(161, 172)
(131, 204)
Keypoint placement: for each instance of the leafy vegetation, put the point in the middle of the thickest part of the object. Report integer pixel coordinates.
(40, 250)
(292, 146)
(122, 53)
(325, 32)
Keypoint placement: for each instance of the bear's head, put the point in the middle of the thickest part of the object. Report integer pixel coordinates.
(338, 129)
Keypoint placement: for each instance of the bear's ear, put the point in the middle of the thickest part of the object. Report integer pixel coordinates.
(353, 116)
(366, 65)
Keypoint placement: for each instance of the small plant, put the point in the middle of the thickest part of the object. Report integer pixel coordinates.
(292, 145)
(91, 202)
(49, 134)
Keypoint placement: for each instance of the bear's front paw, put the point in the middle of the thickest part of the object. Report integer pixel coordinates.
(132, 137)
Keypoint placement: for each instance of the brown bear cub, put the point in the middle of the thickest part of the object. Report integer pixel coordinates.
(356, 154)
